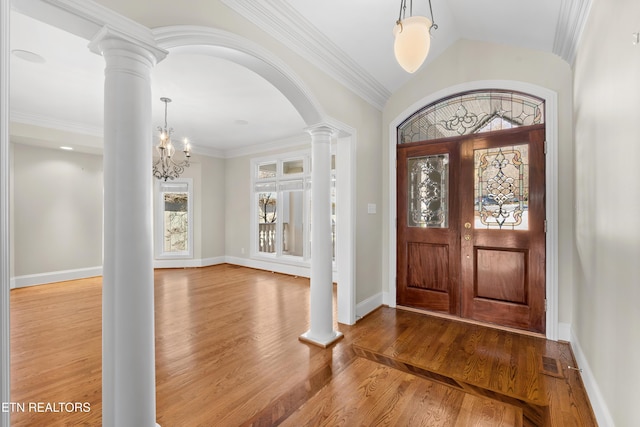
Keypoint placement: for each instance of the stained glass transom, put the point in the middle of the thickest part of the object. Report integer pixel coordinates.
(472, 112)
(502, 188)
(428, 191)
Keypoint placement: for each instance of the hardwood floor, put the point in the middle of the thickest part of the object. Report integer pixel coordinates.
(227, 354)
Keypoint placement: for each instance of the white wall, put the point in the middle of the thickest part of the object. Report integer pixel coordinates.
(56, 207)
(57, 210)
(213, 185)
(606, 306)
(468, 61)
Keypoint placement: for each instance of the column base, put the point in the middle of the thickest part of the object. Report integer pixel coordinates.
(324, 343)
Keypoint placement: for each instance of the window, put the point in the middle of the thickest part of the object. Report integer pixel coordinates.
(174, 219)
(281, 228)
(472, 112)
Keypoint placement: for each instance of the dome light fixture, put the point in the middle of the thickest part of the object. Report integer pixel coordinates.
(412, 37)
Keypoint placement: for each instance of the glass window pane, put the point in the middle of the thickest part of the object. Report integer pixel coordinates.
(472, 112)
(502, 188)
(176, 222)
(267, 170)
(428, 192)
(292, 166)
(267, 216)
(292, 205)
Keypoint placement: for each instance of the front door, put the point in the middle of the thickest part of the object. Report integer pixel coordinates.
(471, 227)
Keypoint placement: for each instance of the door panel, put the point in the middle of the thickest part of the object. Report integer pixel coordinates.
(503, 252)
(501, 275)
(428, 257)
(471, 238)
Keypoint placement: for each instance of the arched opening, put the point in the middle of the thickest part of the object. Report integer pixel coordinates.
(282, 78)
(466, 112)
(221, 44)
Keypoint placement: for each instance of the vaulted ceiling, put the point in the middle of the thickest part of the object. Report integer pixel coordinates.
(222, 106)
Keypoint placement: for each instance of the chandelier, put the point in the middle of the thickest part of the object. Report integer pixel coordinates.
(412, 37)
(166, 167)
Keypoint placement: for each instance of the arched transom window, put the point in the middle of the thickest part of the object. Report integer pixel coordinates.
(472, 112)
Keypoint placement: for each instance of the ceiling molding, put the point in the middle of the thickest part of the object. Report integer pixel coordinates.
(83, 18)
(294, 141)
(51, 123)
(296, 32)
(571, 21)
(207, 151)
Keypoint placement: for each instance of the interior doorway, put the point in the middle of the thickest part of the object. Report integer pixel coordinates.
(471, 210)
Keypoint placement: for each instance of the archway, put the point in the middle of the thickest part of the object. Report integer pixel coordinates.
(86, 21)
(211, 41)
(550, 99)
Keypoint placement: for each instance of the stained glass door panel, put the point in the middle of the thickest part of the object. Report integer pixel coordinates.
(428, 191)
(501, 187)
(428, 216)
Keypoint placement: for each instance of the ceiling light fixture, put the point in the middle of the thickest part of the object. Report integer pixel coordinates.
(28, 56)
(166, 167)
(413, 37)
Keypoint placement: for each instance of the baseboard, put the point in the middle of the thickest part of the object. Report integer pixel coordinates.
(188, 263)
(54, 276)
(292, 270)
(367, 306)
(600, 408)
(564, 331)
(83, 273)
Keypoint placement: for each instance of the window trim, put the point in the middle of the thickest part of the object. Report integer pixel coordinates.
(158, 235)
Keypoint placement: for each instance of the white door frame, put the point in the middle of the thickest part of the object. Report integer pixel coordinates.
(5, 364)
(551, 177)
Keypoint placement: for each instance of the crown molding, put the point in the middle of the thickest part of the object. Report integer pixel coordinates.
(84, 18)
(571, 20)
(289, 27)
(51, 123)
(207, 151)
(285, 143)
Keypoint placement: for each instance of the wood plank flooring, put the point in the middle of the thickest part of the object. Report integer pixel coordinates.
(227, 354)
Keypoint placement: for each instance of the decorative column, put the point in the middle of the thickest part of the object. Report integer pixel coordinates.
(321, 331)
(128, 347)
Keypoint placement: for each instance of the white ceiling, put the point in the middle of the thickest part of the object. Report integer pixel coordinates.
(222, 106)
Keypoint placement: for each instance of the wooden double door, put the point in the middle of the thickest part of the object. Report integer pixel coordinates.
(471, 227)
